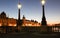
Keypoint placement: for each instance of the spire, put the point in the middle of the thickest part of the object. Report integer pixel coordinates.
(23, 17)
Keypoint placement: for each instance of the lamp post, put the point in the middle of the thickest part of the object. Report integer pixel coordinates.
(19, 20)
(43, 2)
(19, 7)
(43, 22)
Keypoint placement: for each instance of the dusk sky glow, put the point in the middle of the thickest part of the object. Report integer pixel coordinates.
(32, 9)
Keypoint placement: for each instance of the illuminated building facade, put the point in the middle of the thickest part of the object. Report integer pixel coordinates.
(29, 22)
(10, 24)
(6, 21)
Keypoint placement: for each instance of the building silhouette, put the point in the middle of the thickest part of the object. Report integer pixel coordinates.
(6, 24)
(10, 24)
(6, 21)
(27, 22)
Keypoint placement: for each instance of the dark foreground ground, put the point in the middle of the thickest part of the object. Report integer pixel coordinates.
(29, 35)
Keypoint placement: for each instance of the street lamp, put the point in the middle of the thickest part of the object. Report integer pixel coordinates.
(43, 22)
(19, 6)
(43, 2)
(19, 23)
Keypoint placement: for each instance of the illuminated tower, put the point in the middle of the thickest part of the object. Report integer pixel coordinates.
(43, 22)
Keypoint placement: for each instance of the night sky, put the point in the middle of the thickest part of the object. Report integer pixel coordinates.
(32, 9)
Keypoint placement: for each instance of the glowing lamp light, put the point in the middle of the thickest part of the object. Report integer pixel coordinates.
(10, 24)
(0, 24)
(43, 2)
(19, 6)
(14, 24)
